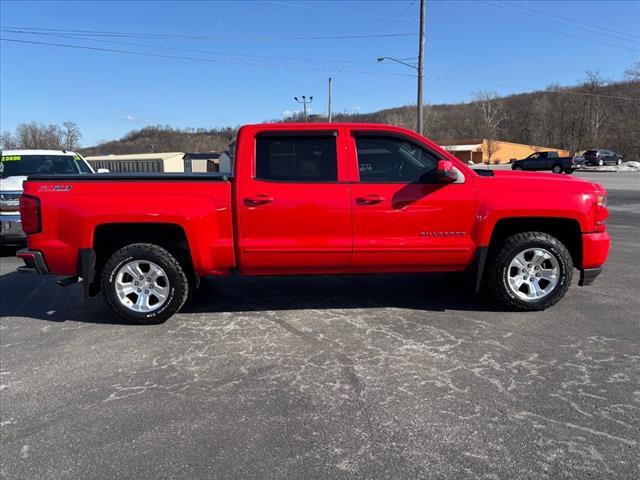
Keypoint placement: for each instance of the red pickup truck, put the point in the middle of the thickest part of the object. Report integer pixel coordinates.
(315, 199)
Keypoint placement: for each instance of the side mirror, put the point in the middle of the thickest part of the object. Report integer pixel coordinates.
(103, 170)
(445, 173)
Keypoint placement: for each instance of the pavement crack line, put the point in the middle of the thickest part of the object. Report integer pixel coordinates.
(625, 441)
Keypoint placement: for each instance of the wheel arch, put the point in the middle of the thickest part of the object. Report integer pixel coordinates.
(567, 230)
(110, 237)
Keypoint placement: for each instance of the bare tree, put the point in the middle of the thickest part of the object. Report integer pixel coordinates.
(632, 73)
(35, 135)
(491, 115)
(597, 111)
(491, 147)
(8, 141)
(72, 135)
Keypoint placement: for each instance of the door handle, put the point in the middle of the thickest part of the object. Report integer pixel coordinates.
(369, 200)
(257, 200)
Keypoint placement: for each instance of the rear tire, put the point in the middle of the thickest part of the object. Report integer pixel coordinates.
(161, 289)
(517, 167)
(600, 162)
(535, 292)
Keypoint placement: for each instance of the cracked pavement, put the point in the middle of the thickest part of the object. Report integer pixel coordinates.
(397, 376)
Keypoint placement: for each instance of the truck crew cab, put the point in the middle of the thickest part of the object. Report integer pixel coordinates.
(308, 199)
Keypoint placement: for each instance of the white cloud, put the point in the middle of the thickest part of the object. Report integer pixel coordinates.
(130, 118)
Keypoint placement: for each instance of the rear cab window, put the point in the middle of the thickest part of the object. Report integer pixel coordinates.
(296, 158)
(25, 165)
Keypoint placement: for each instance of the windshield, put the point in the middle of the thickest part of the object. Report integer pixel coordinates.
(23, 165)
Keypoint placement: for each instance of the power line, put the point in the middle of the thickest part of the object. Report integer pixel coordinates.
(538, 28)
(579, 22)
(188, 50)
(207, 60)
(384, 30)
(185, 36)
(596, 30)
(365, 92)
(306, 68)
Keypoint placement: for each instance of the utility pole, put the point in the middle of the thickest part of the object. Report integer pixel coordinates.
(304, 101)
(420, 68)
(329, 115)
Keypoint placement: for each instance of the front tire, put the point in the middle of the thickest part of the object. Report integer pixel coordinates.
(600, 162)
(531, 271)
(557, 169)
(144, 283)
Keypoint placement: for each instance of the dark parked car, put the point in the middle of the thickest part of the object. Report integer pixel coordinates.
(602, 157)
(545, 161)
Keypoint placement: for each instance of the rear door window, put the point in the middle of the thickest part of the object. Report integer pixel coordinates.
(297, 158)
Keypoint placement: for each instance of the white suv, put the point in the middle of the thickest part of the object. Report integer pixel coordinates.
(15, 166)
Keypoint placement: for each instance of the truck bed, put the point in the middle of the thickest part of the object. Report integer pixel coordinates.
(79, 205)
(158, 176)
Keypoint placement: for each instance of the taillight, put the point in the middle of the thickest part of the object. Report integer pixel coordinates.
(30, 214)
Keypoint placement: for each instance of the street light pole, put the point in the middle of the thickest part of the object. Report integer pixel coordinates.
(420, 68)
(329, 109)
(304, 101)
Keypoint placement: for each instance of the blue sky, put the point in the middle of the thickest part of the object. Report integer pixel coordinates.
(501, 47)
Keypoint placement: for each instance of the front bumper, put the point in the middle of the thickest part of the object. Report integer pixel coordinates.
(11, 230)
(33, 262)
(595, 251)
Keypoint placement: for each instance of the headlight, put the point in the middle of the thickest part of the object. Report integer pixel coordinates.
(601, 199)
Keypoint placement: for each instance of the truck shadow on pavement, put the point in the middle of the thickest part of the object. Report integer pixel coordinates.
(429, 292)
(39, 297)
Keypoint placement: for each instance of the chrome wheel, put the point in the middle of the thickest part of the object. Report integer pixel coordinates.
(142, 286)
(533, 274)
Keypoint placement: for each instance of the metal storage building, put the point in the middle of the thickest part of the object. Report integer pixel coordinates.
(139, 162)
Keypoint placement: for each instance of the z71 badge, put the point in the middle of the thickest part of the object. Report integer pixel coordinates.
(54, 188)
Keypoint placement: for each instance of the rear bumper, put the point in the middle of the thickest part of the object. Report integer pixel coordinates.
(11, 230)
(33, 262)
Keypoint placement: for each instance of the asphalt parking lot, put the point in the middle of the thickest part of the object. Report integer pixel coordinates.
(346, 377)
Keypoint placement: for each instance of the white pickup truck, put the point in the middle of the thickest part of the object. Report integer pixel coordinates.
(15, 166)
